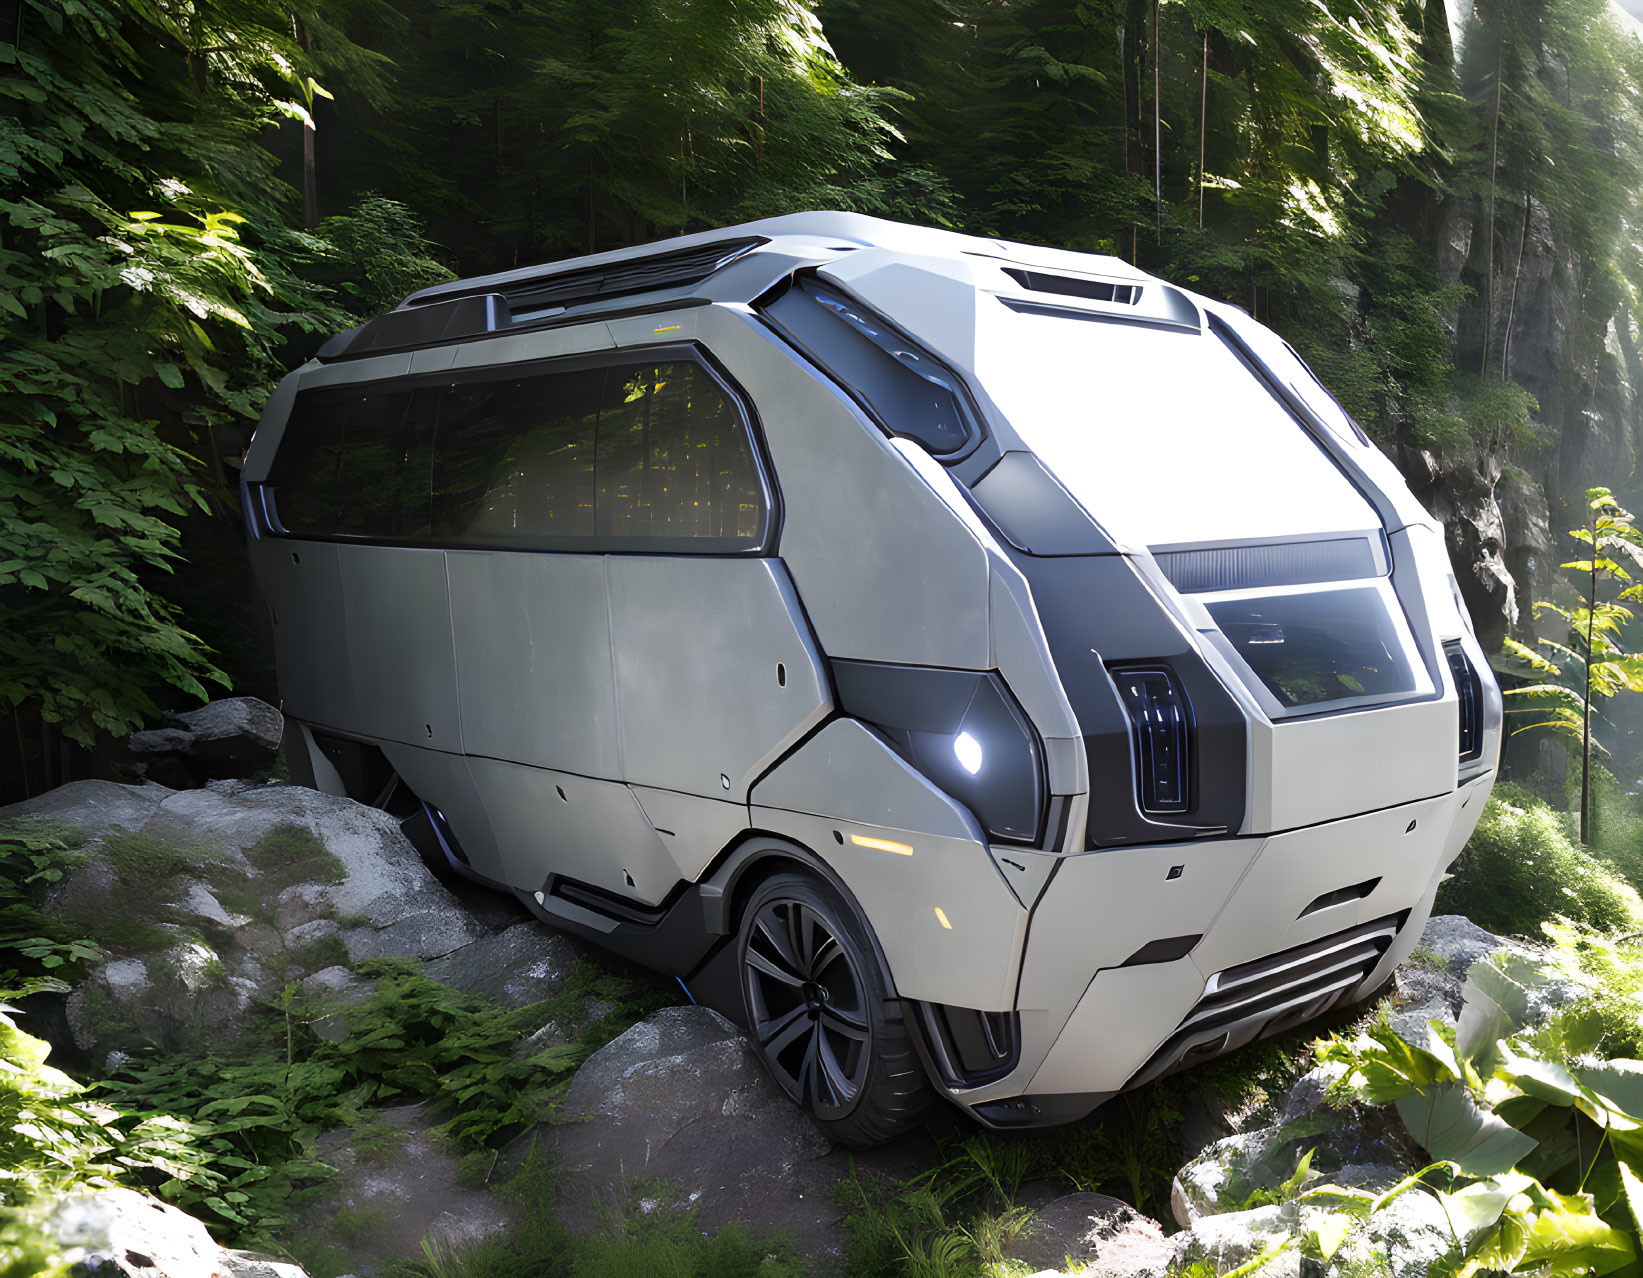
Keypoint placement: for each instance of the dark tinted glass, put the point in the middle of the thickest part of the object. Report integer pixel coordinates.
(1332, 645)
(674, 460)
(905, 389)
(515, 458)
(632, 451)
(356, 464)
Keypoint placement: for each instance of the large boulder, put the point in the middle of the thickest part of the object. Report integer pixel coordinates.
(398, 1183)
(235, 737)
(207, 902)
(1095, 1236)
(120, 1233)
(680, 1112)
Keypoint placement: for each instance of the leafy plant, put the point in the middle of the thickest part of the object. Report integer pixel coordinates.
(1538, 1153)
(1593, 660)
(1520, 870)
(256, 1113)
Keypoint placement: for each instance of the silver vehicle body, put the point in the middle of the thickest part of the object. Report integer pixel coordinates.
(1110, 537)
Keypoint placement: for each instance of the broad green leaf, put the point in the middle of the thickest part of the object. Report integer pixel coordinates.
(1448, 1125)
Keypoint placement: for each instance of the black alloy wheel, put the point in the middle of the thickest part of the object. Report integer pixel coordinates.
(818, 1014)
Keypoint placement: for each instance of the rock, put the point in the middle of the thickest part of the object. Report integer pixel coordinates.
(515, 969)
(230, 739)
(397, 1183)
(94, 807)
(682, 1099)
(1096, 1234)
(239, 730)
(121, 1232)
(207, 903)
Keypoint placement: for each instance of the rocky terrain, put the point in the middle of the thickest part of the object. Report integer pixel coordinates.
(209, 902)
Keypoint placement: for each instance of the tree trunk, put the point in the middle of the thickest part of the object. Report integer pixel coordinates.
(1489, 220)
(1437, 45)
(1517, 276)
(1586, 730)
(1157, 127)
(1203, 126)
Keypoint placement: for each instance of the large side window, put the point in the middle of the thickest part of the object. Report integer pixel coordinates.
(674, 459)
(652, 455)
(356, 463)
(514, 458)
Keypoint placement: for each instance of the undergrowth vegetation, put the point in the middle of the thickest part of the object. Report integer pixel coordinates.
(957, 1218)
(256, 1111)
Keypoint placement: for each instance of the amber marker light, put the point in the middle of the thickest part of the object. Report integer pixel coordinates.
(881, 845)
(668, 328)
(941, 918)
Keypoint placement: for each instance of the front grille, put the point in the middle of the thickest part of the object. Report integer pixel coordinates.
(1269, 995)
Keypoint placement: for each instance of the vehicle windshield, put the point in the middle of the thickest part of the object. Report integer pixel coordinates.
(1165, 436)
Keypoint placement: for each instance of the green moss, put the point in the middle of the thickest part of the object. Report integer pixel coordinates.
(124, 934)
(291, 854)
(146, 865)
(1520, 870)
(328, 951)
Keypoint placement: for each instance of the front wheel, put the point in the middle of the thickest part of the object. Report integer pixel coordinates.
(819, 1014)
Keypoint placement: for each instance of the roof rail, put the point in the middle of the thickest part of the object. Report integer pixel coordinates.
(565, 288)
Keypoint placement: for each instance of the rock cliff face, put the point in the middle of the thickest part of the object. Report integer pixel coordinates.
(1564, 333)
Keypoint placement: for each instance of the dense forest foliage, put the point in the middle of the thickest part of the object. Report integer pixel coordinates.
(192, 197)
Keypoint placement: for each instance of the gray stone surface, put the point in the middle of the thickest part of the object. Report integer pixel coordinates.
(681, 1099)
(229, 739)
(1099, 1235)
(96, 807)
(120, 1233)
(191, 955)
(396, 1185)
(516, 968)
(241, 729)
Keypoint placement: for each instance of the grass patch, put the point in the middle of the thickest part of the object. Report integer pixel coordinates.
(1520, 870)
(291, 854)
(631, 1243)
(956, 1219)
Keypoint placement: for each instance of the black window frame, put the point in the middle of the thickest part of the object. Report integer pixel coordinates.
(266, 492)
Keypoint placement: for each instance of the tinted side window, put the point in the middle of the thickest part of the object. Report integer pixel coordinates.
(674, 458)
(906, 390)
(356, 463)
(578, 458)
(516, 458)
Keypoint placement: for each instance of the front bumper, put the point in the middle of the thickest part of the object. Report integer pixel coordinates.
(1287, 926)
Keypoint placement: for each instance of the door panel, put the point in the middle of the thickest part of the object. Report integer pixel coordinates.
(557, 823)
(533, 659)
(399, 644)
(716, 675)
(302, 584)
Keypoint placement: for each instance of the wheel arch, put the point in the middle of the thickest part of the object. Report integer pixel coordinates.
(753, 858)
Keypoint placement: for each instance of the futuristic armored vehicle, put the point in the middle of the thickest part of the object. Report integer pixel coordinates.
(974, 668)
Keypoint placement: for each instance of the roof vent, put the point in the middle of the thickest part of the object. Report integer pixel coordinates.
(617, 279)
(1075, 286)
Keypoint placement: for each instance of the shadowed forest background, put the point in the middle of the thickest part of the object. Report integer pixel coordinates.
(1435, 206)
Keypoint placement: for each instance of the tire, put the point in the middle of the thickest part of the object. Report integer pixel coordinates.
(819, 1015)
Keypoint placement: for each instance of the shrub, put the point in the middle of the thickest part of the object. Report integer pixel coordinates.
(1521, 870)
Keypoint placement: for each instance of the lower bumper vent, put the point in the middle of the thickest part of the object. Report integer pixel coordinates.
(1272, 994)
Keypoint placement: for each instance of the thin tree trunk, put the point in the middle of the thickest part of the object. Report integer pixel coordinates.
(310, 177)
(1203, 126)
(1157, 127)
(22, 752)
(1489, 221)
(1517, 276)
(1586, 730)
(1125, 66)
